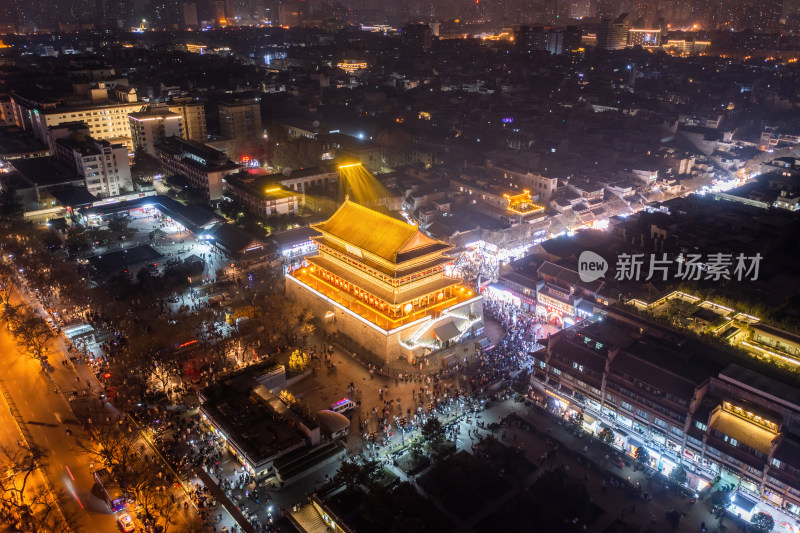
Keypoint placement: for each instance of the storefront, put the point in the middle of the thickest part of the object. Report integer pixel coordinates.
(773, 498)
(751, 486)
(730, 477)
(697, 482)
(620, 438)
(590, 424)
(661, 462)
(674, 447)
(742, 506)
(792, 509)
(711, 465)
(593, 405)
(691, 456)
(502, 294)
(633, 445)
(558, 402)
(658, 437)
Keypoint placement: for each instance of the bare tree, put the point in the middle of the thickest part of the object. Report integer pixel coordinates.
(33, 332)
(27, 501)
(6, 283)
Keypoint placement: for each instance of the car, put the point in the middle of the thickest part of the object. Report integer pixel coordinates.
(125, 523)
(342, 406)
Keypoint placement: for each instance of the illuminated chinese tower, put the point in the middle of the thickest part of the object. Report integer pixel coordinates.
(383, 283)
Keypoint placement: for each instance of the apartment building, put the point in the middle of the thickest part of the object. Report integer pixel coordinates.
(104, 110)
(683, 402)
(104, 167)
(240, 118)
(193, 115)
(202, 165)
(150, 128)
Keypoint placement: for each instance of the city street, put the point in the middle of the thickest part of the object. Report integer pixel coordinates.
(47, 416)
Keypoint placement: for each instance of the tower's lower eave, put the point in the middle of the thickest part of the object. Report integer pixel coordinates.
(342, 306)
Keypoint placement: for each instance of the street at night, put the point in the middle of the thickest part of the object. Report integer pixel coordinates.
(432, 265)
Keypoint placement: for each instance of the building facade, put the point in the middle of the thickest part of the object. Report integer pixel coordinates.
(149, 128)
(104, 167)
(107, 120)
(382, 282)
(264, 201)
(203, 166)
(240, 118)
(193, 113)
(672, 396)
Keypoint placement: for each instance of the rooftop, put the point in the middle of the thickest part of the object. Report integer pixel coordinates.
(153, 113)
(44, 171)
(743, 431)
(16, 141)
(246, 417)
(377, 234)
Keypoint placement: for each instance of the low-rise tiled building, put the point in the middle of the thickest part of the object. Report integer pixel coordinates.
(683, 402)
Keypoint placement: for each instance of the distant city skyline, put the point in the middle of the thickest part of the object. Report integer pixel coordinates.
(119, 14)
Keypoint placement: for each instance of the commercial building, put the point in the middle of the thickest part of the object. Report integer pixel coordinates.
(307, 178)
(240, 118)
(151, 127)
(382, 282)
(613, 33)
(645, 38)
(263, 195)
(259, 430)
(203, 166)
(104, 167)
(683, 402)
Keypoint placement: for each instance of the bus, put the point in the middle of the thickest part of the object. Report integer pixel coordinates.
(109, 490)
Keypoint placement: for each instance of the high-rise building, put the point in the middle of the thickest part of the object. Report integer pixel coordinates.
(150, 128)
(563, 41)
(218, 12)
(15, 13)
(606, 9)
(104, 166)
(418, 35)
(6, 110)
(240, 118)
(613, 34)
(193, 113)
(168, 13)
(290, 13)
(528, 39)
(572, 39)
(190, 15)
(767, 15)
(563, 12)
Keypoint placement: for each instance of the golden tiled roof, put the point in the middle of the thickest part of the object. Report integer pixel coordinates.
(743, 431)
(372, 231)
